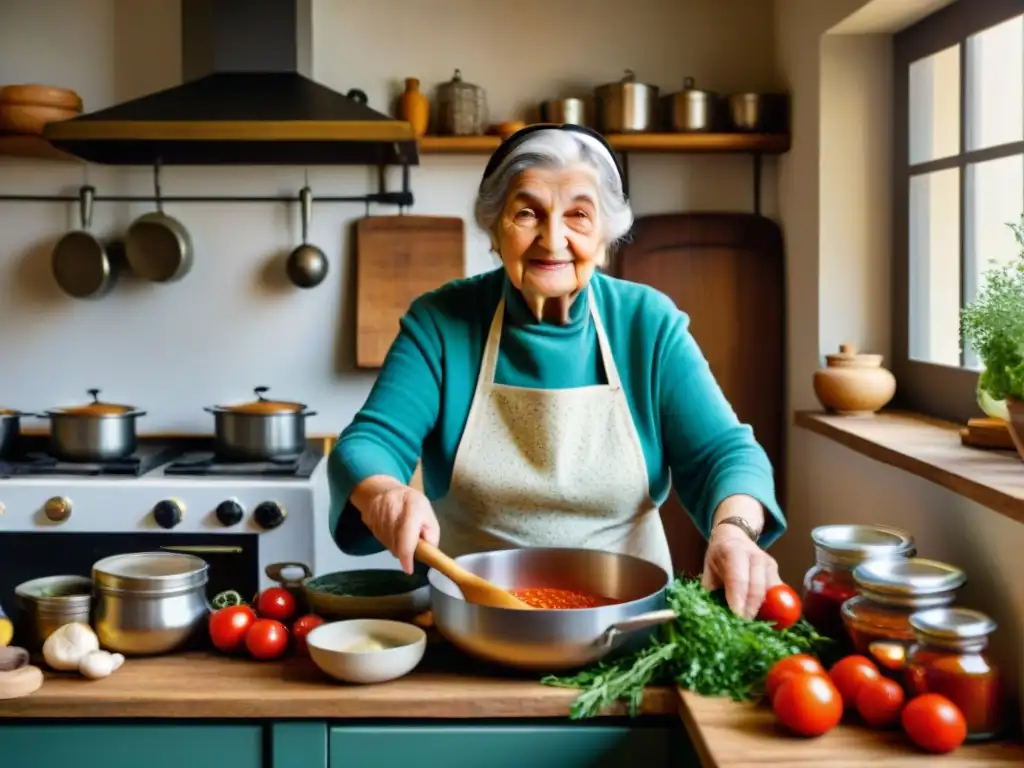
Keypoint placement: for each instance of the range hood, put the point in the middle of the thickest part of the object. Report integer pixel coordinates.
(245, 100)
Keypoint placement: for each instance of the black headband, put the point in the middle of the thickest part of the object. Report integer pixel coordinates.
(517, 138)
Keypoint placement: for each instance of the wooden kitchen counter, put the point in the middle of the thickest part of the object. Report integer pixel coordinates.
(200, 685)
(730, 735)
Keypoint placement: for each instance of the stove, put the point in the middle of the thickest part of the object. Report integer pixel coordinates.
(59, 518)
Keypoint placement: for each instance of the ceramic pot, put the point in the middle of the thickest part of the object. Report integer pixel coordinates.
(414, 107)
(1015, 425)
(854, 384)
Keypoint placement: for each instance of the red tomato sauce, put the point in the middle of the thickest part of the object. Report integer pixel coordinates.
(553, 598)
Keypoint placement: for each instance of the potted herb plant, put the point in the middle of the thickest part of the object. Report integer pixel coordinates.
(993, 325)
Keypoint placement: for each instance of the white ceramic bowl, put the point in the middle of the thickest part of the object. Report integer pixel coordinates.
(328, 646)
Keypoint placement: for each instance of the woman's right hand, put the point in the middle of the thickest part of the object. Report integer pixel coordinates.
(399, 517)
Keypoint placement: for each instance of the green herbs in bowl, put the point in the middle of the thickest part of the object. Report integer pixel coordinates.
(368, 594)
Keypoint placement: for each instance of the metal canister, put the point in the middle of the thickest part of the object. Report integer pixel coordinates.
(626, 106)
(46, 604)
(691, 109)
(461, 108)
(568, 110)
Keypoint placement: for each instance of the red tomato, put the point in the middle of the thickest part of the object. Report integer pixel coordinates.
(781, 606)
(880, 702)
(276, 603)
(266, 639)
(934, 723)
(228, 627)
(808, 704)
(849, 674)
(302, 627)
(798, 664)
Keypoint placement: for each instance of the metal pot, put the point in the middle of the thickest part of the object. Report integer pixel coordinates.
(96, 431)
(626, 106)
(555, 640)
(760, 112)
(147, 603)
(691, 109)
(46, 604)
(260, 430)
(571, 110)
(10, 431)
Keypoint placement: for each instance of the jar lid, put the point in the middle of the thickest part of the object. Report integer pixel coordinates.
(952, 624)
(908, 576)
(849, 357)
(150, 572)
(853, 544)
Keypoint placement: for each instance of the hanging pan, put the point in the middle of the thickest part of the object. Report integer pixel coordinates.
(80, 262)
(157, 246)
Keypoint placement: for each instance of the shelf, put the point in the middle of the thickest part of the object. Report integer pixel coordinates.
(764, 143)
(930, 449)
(34, 147)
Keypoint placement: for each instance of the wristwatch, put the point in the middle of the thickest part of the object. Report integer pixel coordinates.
(743, 525)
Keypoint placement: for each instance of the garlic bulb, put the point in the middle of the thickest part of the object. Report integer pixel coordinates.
(68, 645)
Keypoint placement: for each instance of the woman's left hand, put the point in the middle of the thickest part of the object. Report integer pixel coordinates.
(745, 570)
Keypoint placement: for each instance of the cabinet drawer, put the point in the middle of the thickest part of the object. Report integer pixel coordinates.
(131, 746)
(504, 746)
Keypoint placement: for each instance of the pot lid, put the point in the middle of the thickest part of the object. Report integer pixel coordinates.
(849, 357)
(9, 412)
(908, 576)
(95, 408)
(262, 405)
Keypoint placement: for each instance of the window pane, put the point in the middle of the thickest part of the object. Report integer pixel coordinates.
(935, 106)
(934, 242)
(995, 85)
(995, 198)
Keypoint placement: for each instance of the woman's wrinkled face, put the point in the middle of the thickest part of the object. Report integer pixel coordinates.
(549, 236)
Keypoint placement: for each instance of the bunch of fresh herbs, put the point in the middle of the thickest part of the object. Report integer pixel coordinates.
(993, 325)
(707, 649)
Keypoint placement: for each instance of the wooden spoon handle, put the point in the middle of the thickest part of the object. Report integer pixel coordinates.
(430, 555)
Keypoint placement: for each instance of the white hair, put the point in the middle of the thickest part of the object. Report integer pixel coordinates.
(557, 148)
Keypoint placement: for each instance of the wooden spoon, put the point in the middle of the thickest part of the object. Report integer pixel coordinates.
(474, 589)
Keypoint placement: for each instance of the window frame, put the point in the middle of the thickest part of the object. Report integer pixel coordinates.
(929, 388)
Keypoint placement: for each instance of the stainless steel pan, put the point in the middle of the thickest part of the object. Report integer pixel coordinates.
(552, 640)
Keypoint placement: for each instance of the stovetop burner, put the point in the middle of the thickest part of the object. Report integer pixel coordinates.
(145, 459)
(206, 463)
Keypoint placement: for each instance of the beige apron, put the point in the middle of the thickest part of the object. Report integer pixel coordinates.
(550, 467)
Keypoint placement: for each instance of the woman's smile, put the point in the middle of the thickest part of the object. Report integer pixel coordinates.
(549, 264)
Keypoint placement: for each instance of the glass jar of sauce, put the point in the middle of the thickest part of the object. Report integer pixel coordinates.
(949, 658)
(890, 592)
(838, 549)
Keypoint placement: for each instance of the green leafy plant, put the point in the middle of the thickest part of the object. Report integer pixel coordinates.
(993, 325)
(707, 649)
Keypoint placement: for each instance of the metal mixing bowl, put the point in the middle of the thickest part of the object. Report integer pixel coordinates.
(552, 640)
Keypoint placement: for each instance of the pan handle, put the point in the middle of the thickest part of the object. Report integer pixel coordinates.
(636, 623)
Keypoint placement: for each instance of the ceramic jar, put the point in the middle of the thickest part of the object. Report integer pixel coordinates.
(461, 108)
(853, 383)
(414, 107)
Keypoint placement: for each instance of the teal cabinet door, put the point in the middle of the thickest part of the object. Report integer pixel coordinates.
(131, 746)
(509, 746)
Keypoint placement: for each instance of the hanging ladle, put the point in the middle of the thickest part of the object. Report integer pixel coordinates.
(307, 265)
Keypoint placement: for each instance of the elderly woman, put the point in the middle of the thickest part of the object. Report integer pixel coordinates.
(550, 404)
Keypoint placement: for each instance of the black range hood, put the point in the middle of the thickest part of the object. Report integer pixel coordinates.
(244, 101)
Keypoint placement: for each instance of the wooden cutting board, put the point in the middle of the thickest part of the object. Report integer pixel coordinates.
(398, 258)
(727, 272)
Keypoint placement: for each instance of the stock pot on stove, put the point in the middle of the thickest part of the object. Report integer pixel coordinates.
(260, 430)
(95, 431)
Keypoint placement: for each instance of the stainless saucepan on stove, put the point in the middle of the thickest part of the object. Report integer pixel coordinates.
(260, 430)
(553, 640)
(95, 431)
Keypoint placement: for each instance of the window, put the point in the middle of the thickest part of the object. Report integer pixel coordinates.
(959, 180)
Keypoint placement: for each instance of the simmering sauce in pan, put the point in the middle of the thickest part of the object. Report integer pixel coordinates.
(553, 598)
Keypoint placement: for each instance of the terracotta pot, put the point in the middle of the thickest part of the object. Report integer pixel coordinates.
(1015, 425)
(414, 107)
(854, 384)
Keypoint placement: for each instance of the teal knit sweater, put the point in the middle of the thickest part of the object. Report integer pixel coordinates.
(418, 406)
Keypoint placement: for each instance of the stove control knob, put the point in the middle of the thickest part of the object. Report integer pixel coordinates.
(269, 514)
(57, 509)
(168, 513)
(229, 513)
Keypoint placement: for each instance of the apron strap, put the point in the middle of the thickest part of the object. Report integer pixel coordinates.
(489, 362)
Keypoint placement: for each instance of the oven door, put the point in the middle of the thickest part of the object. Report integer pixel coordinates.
(233, 558)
